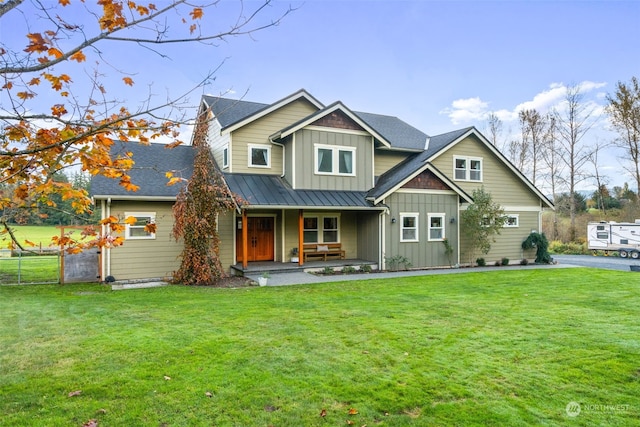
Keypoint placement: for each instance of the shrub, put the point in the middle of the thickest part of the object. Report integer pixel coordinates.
(505, 261)
(365, 268)
(524, 261)
(497, 263)
(558, 247)
(481, 262)
(349, 269)
(328, 270)
(394, 262)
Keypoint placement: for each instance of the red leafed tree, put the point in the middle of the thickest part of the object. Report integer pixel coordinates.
(57, 112)
(196, 211)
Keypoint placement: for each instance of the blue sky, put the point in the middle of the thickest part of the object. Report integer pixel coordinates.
(438, 65)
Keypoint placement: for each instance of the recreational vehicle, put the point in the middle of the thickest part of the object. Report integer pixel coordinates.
(622, 237)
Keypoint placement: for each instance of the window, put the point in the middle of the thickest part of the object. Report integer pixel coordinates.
(409, 227)
(467, 169)
(436, 226)
(321, 229)
(137, 231)
(333, 160)
(310, 230)
(512, 221)
(259, 156)
(225, 157)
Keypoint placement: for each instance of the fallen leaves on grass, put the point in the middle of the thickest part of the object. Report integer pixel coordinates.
(208, 394)
(91, 423)
(167, 378)
(75, 393)
(323, 413)
(353, 411)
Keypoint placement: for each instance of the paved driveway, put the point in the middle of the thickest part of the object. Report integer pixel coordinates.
(610, 263)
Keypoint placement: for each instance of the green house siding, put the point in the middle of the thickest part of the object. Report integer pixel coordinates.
(505, 187)
(423, 253)
(385, 160)
(305, 157)
(258, 132)
(508, 244)
(152, 258)
(369, 236)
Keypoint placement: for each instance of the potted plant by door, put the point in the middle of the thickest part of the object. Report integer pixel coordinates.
(262, 280)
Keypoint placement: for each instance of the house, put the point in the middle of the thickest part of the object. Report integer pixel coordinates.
(319, 182)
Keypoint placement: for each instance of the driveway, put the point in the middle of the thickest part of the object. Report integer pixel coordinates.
(609, 263)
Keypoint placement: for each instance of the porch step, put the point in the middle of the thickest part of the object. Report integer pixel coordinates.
(257, 268)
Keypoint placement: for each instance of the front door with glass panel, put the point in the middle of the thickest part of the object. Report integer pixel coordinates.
(259, 239)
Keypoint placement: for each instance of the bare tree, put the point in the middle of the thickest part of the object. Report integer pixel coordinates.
(533, 129)
(600, 180)
(573, 122)
(553, 165)
(494, 128)
(624, 113)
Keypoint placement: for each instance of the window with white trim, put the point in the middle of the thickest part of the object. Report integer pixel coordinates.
(335, 160)
(259, 156)
(321, 229)
(467, 168)
(225, 157)
(137, 230)
(436, 226)
(512, 221)
(409, 227)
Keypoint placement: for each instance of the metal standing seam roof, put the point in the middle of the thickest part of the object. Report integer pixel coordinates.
(274, 191)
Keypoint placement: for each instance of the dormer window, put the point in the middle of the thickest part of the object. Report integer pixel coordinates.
(467, 169)
(335, 160)
(259, 156)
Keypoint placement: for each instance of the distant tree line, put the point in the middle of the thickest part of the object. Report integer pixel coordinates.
(55, 210)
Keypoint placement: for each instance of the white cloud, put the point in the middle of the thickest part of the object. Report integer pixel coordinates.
(474, 110)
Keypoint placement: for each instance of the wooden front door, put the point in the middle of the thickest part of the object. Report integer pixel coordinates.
(259, 239)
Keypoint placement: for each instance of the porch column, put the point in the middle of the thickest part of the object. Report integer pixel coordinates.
(245, 249)
(300, 237)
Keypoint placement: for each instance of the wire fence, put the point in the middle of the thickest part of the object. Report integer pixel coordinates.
(22, 268)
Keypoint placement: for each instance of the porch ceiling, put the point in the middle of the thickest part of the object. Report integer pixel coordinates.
(272, 191)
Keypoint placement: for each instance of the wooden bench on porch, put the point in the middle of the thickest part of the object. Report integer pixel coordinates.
(323, 251)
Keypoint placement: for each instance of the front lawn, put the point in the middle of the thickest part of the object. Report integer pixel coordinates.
(483, 348)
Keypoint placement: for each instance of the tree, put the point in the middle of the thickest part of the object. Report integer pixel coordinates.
(624, 113)
(196, 211)
(573, 122)
(49, 123)
(481, 222)
(494, 127)
(534, 126)
(553, 166)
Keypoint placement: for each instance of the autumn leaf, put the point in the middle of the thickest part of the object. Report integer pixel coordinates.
(128, 81)
(208, 394)
(64, 2)
(75, 393)
(55, 52)
(353, 411)
(131, 220)
(196, 13)
(91, 423)
(323, 413)
(150, 228)
(167, 378)
(78, 56)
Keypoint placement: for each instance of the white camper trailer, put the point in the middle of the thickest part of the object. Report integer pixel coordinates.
(623, 237)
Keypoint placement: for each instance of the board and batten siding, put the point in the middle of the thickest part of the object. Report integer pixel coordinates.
(305, 176)
(423, 253)
(368, 224)
(258, 132)
(226, 224)
(385, 160)
(497, 179)
(509, 243)
(146, 258)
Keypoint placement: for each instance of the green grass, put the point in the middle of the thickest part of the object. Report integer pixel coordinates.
(486, 348)
(38, 234)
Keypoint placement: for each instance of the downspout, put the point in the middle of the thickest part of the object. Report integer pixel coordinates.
(107, 261)
(382, 239)
(284, 165)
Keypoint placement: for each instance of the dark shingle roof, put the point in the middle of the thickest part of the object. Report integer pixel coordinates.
(402, 170)
(272, 190)
(230, 111)
(399, 134)
(151, 163)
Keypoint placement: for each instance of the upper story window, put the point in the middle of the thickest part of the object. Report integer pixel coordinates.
(467, 168)
(436, 226)
(259, 156)
(225, 157)
(139, 229)
(335, 160)
(409, 227)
